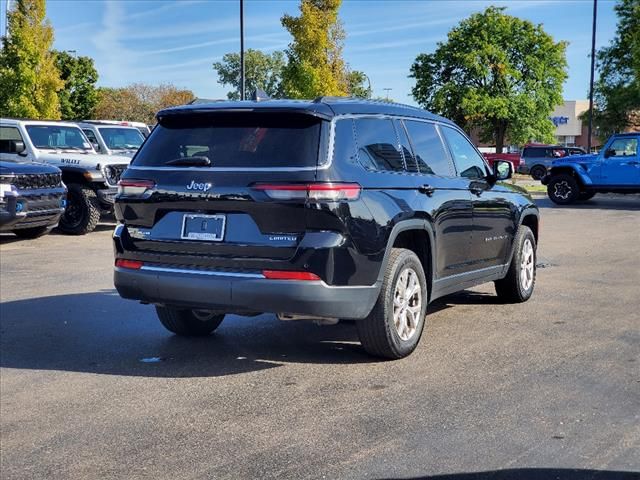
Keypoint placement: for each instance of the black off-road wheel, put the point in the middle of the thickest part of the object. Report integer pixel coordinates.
(538, 172)
(394, 326)
(189, 323)
(82, 213)
(520, 281)
(563, 189)
(34, 232)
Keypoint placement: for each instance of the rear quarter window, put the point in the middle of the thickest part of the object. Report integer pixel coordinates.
(378, 146)
(244, 140)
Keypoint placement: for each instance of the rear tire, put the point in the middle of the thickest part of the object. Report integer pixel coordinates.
(394, 326)
(518, 285)
(189, 323)
(538, 172)
(563, 189)
(82, 213)
(34, 232)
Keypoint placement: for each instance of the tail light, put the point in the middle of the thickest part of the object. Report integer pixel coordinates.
(289, 275)
(135, 188)
(130, 264)
(318, 192)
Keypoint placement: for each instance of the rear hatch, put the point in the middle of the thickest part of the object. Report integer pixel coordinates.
(220, 189)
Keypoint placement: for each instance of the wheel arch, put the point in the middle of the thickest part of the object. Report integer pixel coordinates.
(417, 236)
(570, 170)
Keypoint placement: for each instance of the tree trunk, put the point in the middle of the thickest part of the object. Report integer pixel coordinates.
(500, 129)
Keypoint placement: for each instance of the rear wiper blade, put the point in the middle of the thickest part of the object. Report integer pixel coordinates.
(190, 161)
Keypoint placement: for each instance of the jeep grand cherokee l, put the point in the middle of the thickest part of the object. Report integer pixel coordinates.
(327, 209)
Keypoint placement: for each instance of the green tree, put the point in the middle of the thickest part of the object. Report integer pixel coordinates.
(29, 79)
(315, 65)
(617, 91)
(79, 96)
(262, 70)
(496, 72)
(356, 84)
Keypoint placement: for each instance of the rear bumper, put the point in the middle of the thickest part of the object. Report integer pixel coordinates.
(243, 292)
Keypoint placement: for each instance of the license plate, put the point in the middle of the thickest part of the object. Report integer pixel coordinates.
(203, 227)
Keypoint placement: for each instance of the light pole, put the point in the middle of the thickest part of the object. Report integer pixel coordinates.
(593, 66)
(241, 49)
(387, 90)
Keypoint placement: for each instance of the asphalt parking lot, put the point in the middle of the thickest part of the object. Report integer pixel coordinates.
(93, 387)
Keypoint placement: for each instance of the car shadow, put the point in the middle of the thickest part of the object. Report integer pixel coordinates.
(100, 332)
(532, 474)
(599, 202)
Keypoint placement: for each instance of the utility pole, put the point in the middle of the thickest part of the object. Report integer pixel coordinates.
(241, 49)
(6, 20)
(387, 90)
(593, 67)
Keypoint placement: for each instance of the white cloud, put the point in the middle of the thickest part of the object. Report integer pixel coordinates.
(113, 57)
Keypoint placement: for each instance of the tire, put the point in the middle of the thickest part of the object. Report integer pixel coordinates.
(189, 323)
(518, 285)
(584, 196)
(538, 172)
(563, 189)
(378, 332)
(33, 232)
(82, 213)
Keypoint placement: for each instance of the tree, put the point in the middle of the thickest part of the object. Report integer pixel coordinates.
(262, 70)
(497, 72)
(315, 65)
(356, 84)
(617, 91)
(138, 102)
(79, 96)
(29, 79)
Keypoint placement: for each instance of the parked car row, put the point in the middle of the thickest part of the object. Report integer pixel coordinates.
(88, 159)
(534, 159)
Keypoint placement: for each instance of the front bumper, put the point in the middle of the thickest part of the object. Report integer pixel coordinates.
(236, 292)
(106, 197)
(36, 211)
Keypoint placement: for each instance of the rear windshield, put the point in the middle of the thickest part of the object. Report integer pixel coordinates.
(244, 140)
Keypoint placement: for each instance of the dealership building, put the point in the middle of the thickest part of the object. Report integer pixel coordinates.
(570, 130)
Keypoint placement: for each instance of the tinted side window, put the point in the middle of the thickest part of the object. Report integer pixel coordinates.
(378, 145)
(92, 138)
(468, 162)
(7, 135)
(409, 159)
(428, 148)
(344, 147)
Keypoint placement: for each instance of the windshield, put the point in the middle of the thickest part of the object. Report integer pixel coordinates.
(119, 138)
(244, 140)
(57, 137)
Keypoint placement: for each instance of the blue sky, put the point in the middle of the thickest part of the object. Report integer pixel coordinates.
(156, 41)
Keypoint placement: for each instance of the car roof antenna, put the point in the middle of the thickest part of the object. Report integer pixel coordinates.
(260, 95)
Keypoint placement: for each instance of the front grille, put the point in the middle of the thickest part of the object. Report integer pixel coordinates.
(34, 181)
(113, 173)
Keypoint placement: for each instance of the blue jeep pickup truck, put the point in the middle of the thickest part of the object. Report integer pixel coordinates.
(616, 169)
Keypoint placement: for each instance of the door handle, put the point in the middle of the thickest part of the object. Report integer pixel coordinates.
(428, 190)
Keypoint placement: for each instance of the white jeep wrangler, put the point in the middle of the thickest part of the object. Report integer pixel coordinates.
(91, 178)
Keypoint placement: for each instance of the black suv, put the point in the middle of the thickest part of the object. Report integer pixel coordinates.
(327, 209)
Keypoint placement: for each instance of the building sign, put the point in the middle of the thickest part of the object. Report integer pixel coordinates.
(559, 120)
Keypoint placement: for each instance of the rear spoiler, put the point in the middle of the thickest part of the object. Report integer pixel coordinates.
(212, 111)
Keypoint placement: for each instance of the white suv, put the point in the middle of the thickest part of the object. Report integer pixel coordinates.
(90, 177)
(112, 139)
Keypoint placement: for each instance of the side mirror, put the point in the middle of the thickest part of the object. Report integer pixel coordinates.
(502, 169)
(17, 147)
(609, 153)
